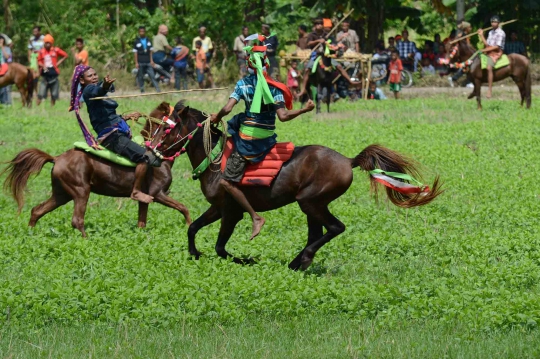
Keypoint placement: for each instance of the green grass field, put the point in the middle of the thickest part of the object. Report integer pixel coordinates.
(457, 278)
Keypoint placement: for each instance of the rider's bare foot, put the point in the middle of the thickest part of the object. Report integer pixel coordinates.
(258, 222)
(141, 197)
(488, 95)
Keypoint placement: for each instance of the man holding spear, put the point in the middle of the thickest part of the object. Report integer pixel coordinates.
(494, 46)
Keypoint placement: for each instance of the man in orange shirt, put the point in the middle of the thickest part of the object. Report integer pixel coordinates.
(48, 68)
(79, 53)
(200, 63)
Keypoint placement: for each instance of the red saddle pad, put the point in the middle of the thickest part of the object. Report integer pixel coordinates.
(3, 69)
(264, 172)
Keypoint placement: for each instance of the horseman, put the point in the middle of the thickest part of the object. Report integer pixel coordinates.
(464, 28)
(315, 39)
(493, 47)
(113, 131)
(253, 131)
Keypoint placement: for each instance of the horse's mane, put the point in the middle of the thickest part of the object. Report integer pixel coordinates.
(198, 116)
(467, 45)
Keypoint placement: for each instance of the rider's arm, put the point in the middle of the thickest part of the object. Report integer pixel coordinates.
(225, 110)
(285, 115)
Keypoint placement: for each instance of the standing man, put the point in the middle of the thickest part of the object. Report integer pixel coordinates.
(239, 51)
(6, 57)
(301, 44)
(35, 43)
(48, 64)
(407, 51)
(271, 44)
(79, 53)
(142, 49)
(494, 46)
(161, 48)
(348, 37)
(208, 49)
(514, 46)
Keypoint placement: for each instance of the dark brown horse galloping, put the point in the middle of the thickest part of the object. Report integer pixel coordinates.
(518, 70)
(314, 177)
(77, 173)
(23, 78)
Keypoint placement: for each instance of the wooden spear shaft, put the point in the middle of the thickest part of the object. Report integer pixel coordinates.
(157, 93)
(486, 29)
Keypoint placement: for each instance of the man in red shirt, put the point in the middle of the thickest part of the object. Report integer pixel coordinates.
(48, 68)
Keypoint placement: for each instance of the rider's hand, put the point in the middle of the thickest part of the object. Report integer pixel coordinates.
(214, 118)
(322, 41)
(310, 105)
(480, 31)
(107, 81)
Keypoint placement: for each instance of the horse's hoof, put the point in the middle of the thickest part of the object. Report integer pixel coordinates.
(196, 254)
(244, 261)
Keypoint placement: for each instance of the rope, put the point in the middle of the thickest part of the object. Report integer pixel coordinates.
(207, 139)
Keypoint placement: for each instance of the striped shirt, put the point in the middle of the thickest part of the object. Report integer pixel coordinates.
(253, 133)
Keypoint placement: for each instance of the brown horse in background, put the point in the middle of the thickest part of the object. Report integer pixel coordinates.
(23, 78)
(518, 70)
(313, 177)
(77, 173)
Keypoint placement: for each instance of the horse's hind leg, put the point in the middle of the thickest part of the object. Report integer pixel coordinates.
(210, 216)
(522, 91)
(167, 201)
(59, 198)
(477, 92)
(315, 231)
(80, 195)
(334, 227)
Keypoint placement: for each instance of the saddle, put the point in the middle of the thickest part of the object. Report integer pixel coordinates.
(109, 155)
(501, 62)
(262, 173)
(3, 69)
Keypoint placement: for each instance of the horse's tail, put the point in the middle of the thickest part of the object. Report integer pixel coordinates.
(19, 170)
(388, 163)
(29, 86)
(528, 85)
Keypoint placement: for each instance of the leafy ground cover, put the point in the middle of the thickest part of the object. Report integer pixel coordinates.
(459, 277)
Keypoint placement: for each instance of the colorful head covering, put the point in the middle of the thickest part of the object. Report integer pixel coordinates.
(76, 93)
(48, 38)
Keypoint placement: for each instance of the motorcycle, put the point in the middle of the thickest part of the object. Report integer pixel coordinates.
(162, 75)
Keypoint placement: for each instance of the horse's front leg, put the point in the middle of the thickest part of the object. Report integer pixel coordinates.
(477, 92)
(143, 214)
(165, 200)
(211, 215)
(230, 217)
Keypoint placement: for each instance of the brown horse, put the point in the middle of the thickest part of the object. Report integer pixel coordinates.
(21, 76)
(518, 70)
(76, 173)
(313, 177)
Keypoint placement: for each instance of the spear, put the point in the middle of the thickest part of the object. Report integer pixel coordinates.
(486, 29)
(157, 93)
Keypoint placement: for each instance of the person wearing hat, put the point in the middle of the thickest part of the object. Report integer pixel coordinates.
(48, 63)
(253, 131)
(464, 28)
(494, 46)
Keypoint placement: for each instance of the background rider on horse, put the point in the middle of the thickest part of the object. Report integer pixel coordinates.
(494, 46)
(113, 131)
(253, 131)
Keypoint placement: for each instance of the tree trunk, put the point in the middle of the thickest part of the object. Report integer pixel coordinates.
(254, 11)
(460, 10)
(375, 23)
(7, 17)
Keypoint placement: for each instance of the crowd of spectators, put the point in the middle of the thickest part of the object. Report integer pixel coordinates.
(44, 58)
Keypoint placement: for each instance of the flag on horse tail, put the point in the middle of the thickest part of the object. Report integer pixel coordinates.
(392, 181)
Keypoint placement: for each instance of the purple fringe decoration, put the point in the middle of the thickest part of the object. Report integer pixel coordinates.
(76, 94)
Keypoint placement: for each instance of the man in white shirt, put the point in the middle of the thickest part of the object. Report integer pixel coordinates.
(239, 51)
(494, 46)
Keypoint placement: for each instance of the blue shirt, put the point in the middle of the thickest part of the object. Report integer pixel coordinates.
(251, 148)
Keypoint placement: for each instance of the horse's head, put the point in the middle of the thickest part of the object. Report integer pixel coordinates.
(165, 135)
